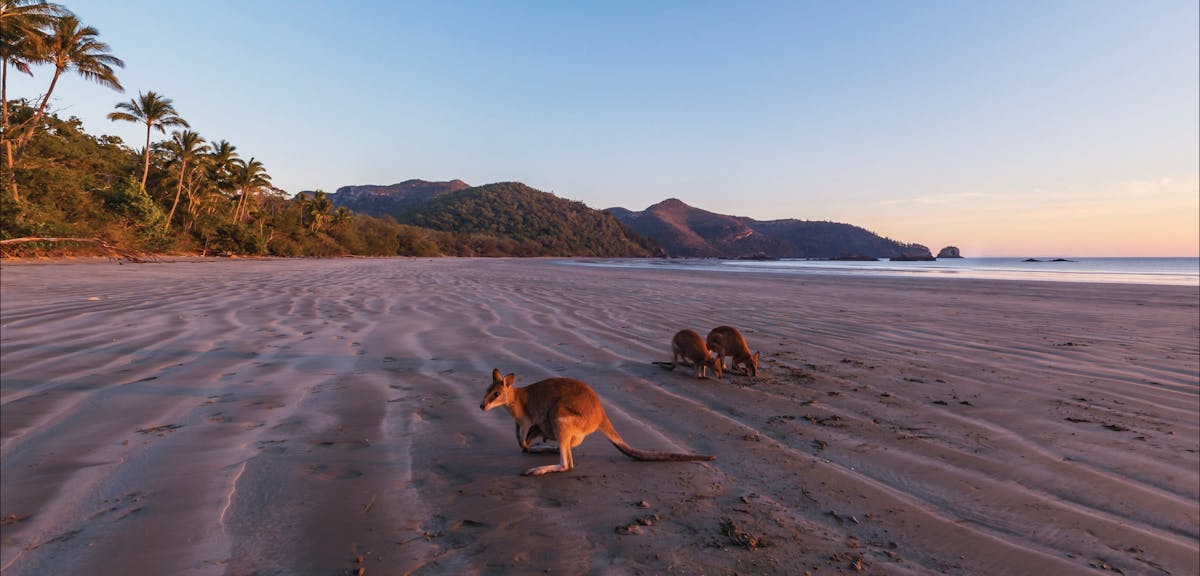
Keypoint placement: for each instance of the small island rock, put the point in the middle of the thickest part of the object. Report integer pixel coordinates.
(949, 252)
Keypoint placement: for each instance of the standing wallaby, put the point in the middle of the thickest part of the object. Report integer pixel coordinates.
(565, 410)
(727, 341)
(687, 347)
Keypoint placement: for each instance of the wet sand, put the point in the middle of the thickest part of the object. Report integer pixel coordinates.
(322, 416)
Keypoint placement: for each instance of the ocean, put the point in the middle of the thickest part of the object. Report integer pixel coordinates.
(1163, 271)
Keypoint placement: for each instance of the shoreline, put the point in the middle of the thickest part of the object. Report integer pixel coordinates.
(304, 415)
(1185, 272)
(992, 268)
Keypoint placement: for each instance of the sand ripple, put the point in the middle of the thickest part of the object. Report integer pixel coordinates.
(306, 416)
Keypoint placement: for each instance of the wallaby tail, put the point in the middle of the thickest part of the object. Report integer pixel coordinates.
(609, 432)
(665, 365)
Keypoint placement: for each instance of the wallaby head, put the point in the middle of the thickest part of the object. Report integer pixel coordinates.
(750, 363)
(500, 393)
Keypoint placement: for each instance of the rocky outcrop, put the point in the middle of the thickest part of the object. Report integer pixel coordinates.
(949, 252)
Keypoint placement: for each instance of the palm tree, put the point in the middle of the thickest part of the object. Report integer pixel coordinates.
(319, 208)
(303, 201)
(199, 187)
(70, 46)
(23, 41)
(340, 216)
(185, 146)
(23, 38)
(24, 17)
(221, 157)
(152, 110)
(248, 178)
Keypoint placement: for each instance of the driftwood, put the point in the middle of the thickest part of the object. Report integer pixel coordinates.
(118, 252)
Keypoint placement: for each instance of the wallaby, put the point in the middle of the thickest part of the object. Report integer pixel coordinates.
(565, 410)
(687, 347)
(728, 341)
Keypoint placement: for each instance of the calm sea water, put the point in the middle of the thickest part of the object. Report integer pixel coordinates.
(1173, 271)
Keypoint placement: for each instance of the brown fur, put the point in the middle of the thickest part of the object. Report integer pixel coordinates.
(728, 341)
(688, 348)
(565, 410)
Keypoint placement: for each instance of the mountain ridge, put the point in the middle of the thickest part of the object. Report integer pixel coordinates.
(533, 222)
(672, 227)
(683, 230)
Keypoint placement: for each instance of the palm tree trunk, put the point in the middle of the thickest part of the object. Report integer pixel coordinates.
(178, 191)
(8, 151)
(193, 208)
(10, 174)
(237, 210)
(146, 157)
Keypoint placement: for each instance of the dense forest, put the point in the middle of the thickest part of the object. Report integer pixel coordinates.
(193, 194)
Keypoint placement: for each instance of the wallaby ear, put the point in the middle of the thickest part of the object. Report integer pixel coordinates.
(496, 377)
(755, 357)
(508, 380)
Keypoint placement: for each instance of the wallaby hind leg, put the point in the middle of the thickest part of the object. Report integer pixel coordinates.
(567, 462)
(566, 439)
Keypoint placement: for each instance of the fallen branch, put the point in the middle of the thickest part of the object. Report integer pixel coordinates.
(119, 252)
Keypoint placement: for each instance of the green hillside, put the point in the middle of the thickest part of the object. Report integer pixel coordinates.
(536, 223)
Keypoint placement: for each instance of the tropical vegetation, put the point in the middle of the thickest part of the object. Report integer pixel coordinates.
(195, 194)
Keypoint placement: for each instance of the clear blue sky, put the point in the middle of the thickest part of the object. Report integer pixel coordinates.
(1005, 128)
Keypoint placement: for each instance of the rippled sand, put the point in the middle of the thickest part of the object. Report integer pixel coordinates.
(320, 416)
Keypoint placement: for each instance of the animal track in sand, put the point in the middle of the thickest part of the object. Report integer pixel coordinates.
(161, 430)
(267, 404)
(346, 444)
(324, 472)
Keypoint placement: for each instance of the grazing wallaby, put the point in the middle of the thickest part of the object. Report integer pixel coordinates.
(728, 341)
(687, 347)
(565, 410)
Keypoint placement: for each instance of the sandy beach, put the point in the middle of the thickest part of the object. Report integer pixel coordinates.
(322, 417)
